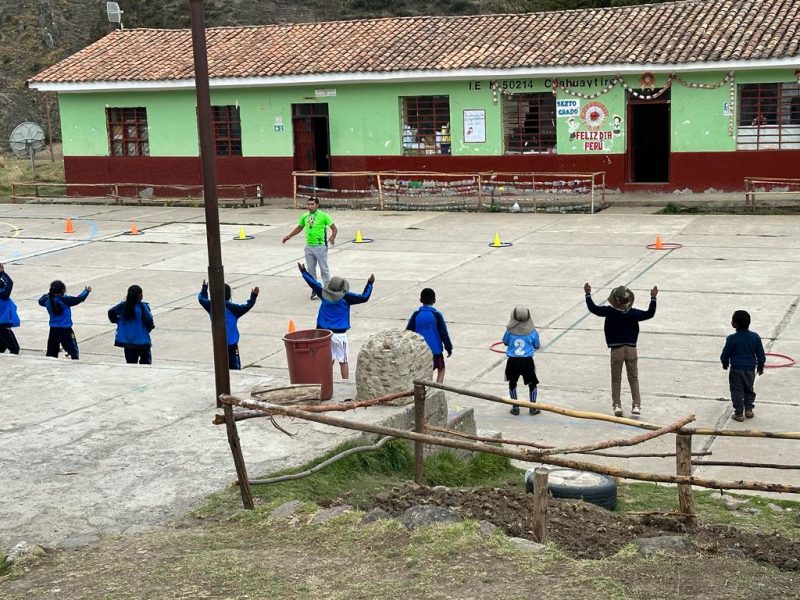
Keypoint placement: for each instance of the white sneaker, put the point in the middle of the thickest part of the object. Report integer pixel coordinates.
(636, 410)
(618, 411)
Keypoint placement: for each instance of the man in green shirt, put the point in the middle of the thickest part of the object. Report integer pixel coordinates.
(315, 223)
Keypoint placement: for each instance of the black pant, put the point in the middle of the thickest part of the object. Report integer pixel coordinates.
(142, 356)
(234, 362)
(742, 394)
(62, 337)
(8, 341)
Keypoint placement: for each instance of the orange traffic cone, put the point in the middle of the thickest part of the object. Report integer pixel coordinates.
(659, 245)
(292, 328)
(69, 228)
(134, 229)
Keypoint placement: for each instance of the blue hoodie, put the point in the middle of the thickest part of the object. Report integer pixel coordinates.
(8, 310)
(430, 324)
(64, 318)
(135, 332)
(336, 315)
(233, 312)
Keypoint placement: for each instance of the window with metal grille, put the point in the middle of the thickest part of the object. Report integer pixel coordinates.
(227, 130)
(769, 116)
(426, 124)
(529, 123)
(127, 131)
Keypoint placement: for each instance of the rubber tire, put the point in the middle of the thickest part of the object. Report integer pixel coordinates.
(600, 490)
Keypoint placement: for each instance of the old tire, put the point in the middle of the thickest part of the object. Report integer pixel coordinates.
(595, 488)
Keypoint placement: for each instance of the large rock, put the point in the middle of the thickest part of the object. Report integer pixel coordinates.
(674, 544)
(422, 515)
(389, 362)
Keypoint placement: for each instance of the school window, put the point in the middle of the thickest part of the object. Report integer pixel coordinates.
(769, 116)
(127, 131)
(227, 130)
(529, 123)
(426, 124)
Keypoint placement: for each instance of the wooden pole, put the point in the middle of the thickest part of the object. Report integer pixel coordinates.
(480, 191)
(294, 190)
(683, 464)
(732, 463)
(419, 427)
(49, 126)
(381, 204)
(540, 504)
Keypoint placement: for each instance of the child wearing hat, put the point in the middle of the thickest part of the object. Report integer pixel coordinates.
(8, 314)
(233, 312)
(522, 341)
(334, 312)
(621, 329)
(430, 324)
(744, 354)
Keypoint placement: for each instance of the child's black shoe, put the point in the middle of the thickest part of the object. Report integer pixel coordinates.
(515, 410)
(534, 411)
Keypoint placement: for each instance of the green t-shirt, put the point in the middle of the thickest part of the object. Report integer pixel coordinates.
(314, 225)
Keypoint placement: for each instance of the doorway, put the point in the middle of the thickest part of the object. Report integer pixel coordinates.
(649, 139)
(312, 144)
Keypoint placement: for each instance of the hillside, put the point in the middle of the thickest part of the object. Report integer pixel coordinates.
(38, 33)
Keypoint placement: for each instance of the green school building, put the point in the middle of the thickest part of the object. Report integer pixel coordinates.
(695, 94)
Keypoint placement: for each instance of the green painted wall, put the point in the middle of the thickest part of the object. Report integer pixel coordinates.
(365, 118)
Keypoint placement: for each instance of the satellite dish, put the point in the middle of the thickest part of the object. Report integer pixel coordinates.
(25, 140)
(114, 13)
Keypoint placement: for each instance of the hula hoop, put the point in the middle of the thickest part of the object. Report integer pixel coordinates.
(363, 241)
(665, 246)
(789, 361)
(129, 233)
(502, 245)
(493, 347)
(245, 238)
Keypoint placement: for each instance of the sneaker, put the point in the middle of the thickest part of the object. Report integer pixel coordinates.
(515, 410)
(749, 413)
(739, 418)
(534, 411)
(636, 410)
(618, 411)
(314, 296)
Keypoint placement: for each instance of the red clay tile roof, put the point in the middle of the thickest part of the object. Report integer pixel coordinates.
(686, 32)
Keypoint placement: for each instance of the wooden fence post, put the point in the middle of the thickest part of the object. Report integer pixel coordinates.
(540, 493)
(381, 205)
(419, 427)
(683, 463)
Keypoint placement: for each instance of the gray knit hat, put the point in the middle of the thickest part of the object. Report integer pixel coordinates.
(521, 322)
(336, 289)
(621, 298)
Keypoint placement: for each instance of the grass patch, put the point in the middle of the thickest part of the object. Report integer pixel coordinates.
(17, 170)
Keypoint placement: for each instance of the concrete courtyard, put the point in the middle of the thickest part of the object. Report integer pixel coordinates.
(101, 446)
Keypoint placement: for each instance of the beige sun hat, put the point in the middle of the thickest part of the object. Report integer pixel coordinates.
(521, 322)
(336, 289)
(621, 298)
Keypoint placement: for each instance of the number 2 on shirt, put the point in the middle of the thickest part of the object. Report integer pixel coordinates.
(519, 347)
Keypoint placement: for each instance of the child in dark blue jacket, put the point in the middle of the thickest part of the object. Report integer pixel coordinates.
(8, 314)
(430, 324)
(59, 307)
(233, 312)
(134, 324)
(334, 312)
(744, 354)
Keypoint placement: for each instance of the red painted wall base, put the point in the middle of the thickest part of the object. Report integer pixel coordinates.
(697, 171)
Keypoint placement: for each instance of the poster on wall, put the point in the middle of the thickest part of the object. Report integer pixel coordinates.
(475, 126)
(594, 128)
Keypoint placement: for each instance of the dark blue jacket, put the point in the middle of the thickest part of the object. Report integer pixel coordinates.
(233, 312)
(621, 328)
(430, 324)
(8, 310)
(64, 318)
(743, 351)
(135, 332)
(336, 315)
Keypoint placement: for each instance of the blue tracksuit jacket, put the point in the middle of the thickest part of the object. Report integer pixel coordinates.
(135, 332)
(430, 324)
(8, 310)
(64, 318)
(233, 312)
(336, 315)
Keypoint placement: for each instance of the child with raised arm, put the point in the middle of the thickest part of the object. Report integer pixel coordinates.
(430, 324)
(334, 312)
(744, 354)
(522, 341)
(233, 312)
(59, 307)
(134, 324)
(8, 314)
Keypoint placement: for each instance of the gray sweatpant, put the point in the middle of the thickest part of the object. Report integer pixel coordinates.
(318, 255)
(742, 394)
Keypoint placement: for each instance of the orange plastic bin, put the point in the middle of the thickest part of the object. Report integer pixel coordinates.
(308, 353)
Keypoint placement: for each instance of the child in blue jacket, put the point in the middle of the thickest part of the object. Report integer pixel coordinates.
(522, 341)
(233, 312)
(430, 324)
(59, 307)
(134, 324)
(334, 312)
(8, 314)
(744, 354)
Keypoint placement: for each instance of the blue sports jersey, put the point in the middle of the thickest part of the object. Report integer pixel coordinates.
(521, 346)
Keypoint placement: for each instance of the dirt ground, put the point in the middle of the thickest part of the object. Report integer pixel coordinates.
(586, 531)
